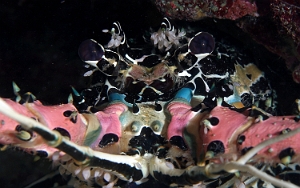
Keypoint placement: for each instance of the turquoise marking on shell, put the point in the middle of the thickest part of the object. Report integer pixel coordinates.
(184, 94)
(116, 97)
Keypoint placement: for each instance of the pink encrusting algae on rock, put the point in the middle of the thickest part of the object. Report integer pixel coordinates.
(195, 10)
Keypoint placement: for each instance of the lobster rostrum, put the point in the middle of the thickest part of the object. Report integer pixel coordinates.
(185, 110)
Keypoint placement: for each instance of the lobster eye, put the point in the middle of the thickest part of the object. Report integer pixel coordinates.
(201, 43)
(91, 52)
(109, 64)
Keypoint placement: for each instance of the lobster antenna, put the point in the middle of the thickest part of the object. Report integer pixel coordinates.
(258, 173)
(266, 143)
(240, 164)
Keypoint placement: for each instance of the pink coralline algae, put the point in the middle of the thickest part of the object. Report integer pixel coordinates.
(280, 26)
(289, 16)
(197, 9)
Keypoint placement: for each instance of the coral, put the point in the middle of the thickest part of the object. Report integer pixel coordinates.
(289, 16)
(265, 32)
(281, 33)
(194, 10)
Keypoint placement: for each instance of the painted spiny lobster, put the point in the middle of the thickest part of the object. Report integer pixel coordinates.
(177, 116)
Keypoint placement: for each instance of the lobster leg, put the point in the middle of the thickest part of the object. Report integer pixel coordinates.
(136, 168)
(110, 123)
(162, 171)
(129, 168)
(192, 175)
(183, 116)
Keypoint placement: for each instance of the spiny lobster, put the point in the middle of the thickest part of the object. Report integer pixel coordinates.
(181, 113)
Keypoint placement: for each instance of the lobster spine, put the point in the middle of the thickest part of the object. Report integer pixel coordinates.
(53, 117)
(244, 132)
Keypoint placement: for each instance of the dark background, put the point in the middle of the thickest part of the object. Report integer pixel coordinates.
(39, 40)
